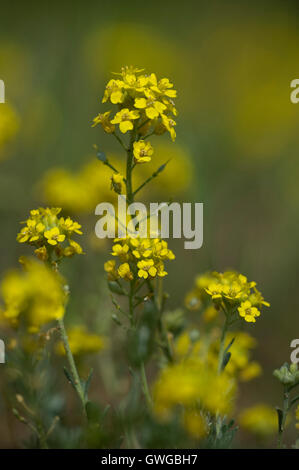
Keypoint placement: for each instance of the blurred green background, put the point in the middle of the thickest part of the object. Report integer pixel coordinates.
(232, 64)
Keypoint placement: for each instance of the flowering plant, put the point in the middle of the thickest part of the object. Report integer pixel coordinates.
(196, 361)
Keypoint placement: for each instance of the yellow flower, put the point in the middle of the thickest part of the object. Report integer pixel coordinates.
(260, 419)
(82, 342)
(72, 249)
(163, 87)
(120, 250)
(141, 247)
(54, 236)
(146, 268)
(142, 151)
(104, 120)
(69, 225)
(248, 312)
(232, 291)
(110, 269)
(41, 253)
(124, 271)
(116, 182)
(124, 118)
(153, 108)
(169, 125)
(114, 92)
(215, 290)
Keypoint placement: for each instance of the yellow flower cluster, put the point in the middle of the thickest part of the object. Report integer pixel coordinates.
(230, 291)
(141, 258)
(145, 103)
(33, 297)
(82, 342)
(259, 419)
(194, 385)
(50, 233)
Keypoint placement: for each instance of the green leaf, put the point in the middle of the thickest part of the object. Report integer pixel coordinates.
(116, 319)
(115, 288)
(106, 410)
(102, 157)
(69, 377)
(280, 417)
(86, 384)
(293, 401)
(162, 167)
(226, 359)
(142, 340)
(229, 345)
(94, 412)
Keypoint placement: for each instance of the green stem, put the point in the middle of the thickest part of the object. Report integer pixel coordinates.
(285, 410)
(150, 178)
(145, 388)
(130, 194)
(120, 141)
(74, 372)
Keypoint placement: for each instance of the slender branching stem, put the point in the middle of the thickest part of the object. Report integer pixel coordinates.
(73, 369)
(285, 410)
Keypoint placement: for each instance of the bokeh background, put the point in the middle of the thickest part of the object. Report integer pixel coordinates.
(236, 149)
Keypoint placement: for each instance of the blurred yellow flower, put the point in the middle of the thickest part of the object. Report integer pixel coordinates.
(259, 419)
(9, 125)
(34, 296)
(192, 383)
(195, 423)
(82, 342)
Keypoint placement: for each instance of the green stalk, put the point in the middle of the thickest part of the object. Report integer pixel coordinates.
(130, 199)
(285, 410)
(76, 382)
(145, 387)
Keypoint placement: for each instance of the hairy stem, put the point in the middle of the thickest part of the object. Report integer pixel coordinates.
(285, 410)
(74, 372)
